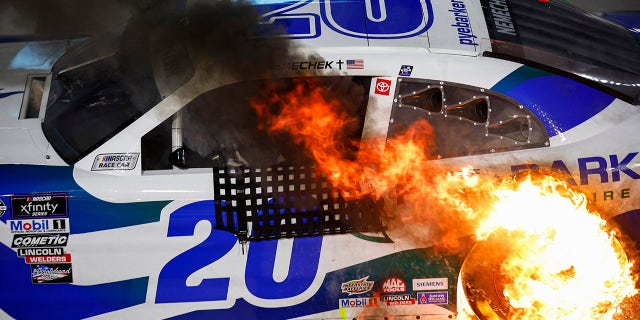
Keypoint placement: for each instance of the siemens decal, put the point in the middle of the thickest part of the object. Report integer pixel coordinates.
(462, 23)
(430, 284)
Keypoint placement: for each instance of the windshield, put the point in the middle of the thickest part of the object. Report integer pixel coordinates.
(558, 35)
(104, 85)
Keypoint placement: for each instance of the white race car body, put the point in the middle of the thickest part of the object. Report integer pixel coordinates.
(108, 229)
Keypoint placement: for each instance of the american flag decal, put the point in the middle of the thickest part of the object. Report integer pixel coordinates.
(355, 64)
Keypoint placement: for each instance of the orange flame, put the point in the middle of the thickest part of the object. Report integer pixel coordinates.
(562, 262)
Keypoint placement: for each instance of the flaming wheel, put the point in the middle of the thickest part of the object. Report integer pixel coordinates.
(483, 282)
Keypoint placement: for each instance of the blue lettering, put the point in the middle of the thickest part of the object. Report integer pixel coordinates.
(384, 19)
(260, 263)
(16, 225)
(462, 25)
(622, 166)
(295, 25)
(524, 167)
(172, 281)
(560, 166)
(600, 170)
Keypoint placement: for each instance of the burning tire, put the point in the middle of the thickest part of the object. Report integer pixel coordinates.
(482, 283)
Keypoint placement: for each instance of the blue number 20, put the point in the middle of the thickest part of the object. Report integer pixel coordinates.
(172, 285)
(384, 19)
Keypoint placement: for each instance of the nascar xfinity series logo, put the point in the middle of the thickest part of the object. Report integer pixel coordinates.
(52, 205)
(115, 161)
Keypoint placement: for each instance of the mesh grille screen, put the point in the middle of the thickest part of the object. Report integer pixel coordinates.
(286, 201)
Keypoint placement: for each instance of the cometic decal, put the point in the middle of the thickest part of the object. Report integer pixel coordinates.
(40, 240)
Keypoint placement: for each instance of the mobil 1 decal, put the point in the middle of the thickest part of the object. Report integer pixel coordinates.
(38, 225)
(46, 205)
(51, 273)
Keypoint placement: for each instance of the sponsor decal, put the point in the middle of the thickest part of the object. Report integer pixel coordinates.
(65, 258)
(50, 205)
(590, 169)
(349, 64)
(430, 284)
(394, 285)
(355, 64)
(40, 252)
(357, 286)
(405, 70)
(40, 240)
(51, 273)
(500, 20)
(433, 297)
(115, 161)
(38, 225)
(462, 23)
(398, 300)
(383, 87)
(3, 208)
(357, 302)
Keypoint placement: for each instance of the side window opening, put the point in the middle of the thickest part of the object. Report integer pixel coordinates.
(220, 128)
(32, 101)
(264, 185)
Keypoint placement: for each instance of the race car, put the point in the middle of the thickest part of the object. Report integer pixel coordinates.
(139, 180)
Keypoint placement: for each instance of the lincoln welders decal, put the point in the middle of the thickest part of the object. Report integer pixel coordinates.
(115, 161)
(40, 240)
(50, 205)
(51, 273)
(40, 252)
(398, 300)
(65, 258)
